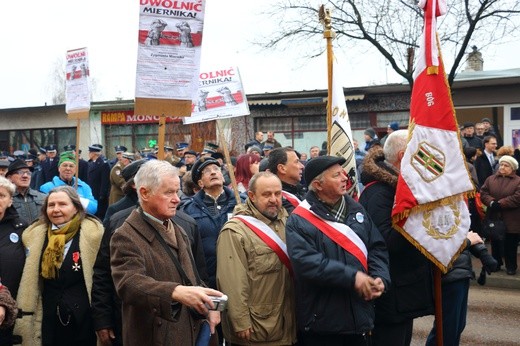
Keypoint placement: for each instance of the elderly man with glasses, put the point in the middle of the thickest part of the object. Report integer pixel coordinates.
(27, 202)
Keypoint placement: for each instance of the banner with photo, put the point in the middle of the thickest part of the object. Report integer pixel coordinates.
(220, 96)
(77, 82)
(168, 58)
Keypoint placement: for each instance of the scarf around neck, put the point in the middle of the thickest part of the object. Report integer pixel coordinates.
(53, 253)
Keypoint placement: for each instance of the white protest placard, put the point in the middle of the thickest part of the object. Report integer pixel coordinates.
(168, 59)
(77, 82)
(220, 96)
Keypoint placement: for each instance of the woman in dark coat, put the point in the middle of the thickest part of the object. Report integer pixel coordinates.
(12, 253)
(501, 193)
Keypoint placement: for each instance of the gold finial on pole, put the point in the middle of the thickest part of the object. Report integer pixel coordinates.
(324, 16)
(328, 34)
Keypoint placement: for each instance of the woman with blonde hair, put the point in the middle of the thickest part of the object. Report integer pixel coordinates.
(56, 284)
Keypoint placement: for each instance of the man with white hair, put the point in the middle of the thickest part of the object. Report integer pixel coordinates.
(411, 292)
(160, 299)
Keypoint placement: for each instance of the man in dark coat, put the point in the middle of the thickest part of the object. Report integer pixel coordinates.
(339, 260)
(285, 164)
(485, 164)
(50, 165)
(411, 292)
(99, 178)
(153, 269)
(210, 207)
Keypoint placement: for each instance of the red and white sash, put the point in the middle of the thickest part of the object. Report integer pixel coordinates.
(340, 233)
(295, 201)
(269, 237)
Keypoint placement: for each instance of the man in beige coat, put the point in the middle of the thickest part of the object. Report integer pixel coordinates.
(254, 275)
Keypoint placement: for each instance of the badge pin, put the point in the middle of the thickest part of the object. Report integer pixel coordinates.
(14, 237)
(360, 217)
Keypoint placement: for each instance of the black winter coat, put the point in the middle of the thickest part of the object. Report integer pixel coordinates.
(326, 301)
(12, 252)
(411, 292)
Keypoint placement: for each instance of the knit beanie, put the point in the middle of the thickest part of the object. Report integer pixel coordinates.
(510, 160)
(67, 156)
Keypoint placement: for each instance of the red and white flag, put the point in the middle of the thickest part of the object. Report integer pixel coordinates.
(429, 205)
(341, 143)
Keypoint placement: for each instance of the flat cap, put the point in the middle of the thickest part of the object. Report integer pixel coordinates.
(320, 164)
(131, 170)
(198, 167)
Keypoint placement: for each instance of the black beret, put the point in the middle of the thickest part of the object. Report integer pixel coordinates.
(196, 170)
(320, 164)
(131, 170)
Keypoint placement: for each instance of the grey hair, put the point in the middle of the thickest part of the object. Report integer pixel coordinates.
(395, 143)
(74, 197)
(8, 185)
(150, 174)
(319, 178)
(266, 174)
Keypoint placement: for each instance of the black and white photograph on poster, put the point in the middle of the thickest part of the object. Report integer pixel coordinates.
(169, 47)
(220, 95)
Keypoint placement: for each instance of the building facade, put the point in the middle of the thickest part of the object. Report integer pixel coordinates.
(297, 118)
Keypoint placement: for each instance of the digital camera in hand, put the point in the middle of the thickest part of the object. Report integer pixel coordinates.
(219, 303)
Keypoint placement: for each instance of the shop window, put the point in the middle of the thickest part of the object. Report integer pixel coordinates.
(383, 119)
(515, 113)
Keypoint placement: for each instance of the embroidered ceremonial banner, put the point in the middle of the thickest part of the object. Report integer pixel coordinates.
(339, 233)
(429, 205)
(341, 134)
(269, 237)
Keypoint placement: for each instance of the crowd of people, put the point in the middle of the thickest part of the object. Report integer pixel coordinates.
(136, 250)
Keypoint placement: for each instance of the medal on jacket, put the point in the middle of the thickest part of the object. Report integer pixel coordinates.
(75, 258)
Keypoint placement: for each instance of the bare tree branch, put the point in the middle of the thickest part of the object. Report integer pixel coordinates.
(393, 28)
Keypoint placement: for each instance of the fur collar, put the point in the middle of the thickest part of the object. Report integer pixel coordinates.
(376, 169)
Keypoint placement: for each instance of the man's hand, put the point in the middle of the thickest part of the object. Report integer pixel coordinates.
(378, 288)
(213, 320)
(195, 297)
(474, 238)
(245, 334)
(363, 285)
(105, 336)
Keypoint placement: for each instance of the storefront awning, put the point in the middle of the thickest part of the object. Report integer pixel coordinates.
(301, 102)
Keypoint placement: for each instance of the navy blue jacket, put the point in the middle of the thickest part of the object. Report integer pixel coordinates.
(326, 301)
(210, 226)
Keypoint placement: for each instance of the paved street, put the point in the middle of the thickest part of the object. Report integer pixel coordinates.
(493, 318)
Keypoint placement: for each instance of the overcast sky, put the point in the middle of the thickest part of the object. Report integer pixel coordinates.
(36, 34)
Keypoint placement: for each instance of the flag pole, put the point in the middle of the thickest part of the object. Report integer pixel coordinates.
(328, 34)
(227, 157)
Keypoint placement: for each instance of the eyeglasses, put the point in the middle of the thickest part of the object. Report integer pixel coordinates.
(211, 169)
(22, 173)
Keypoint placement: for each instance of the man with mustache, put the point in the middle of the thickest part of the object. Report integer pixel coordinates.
(253, 269)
